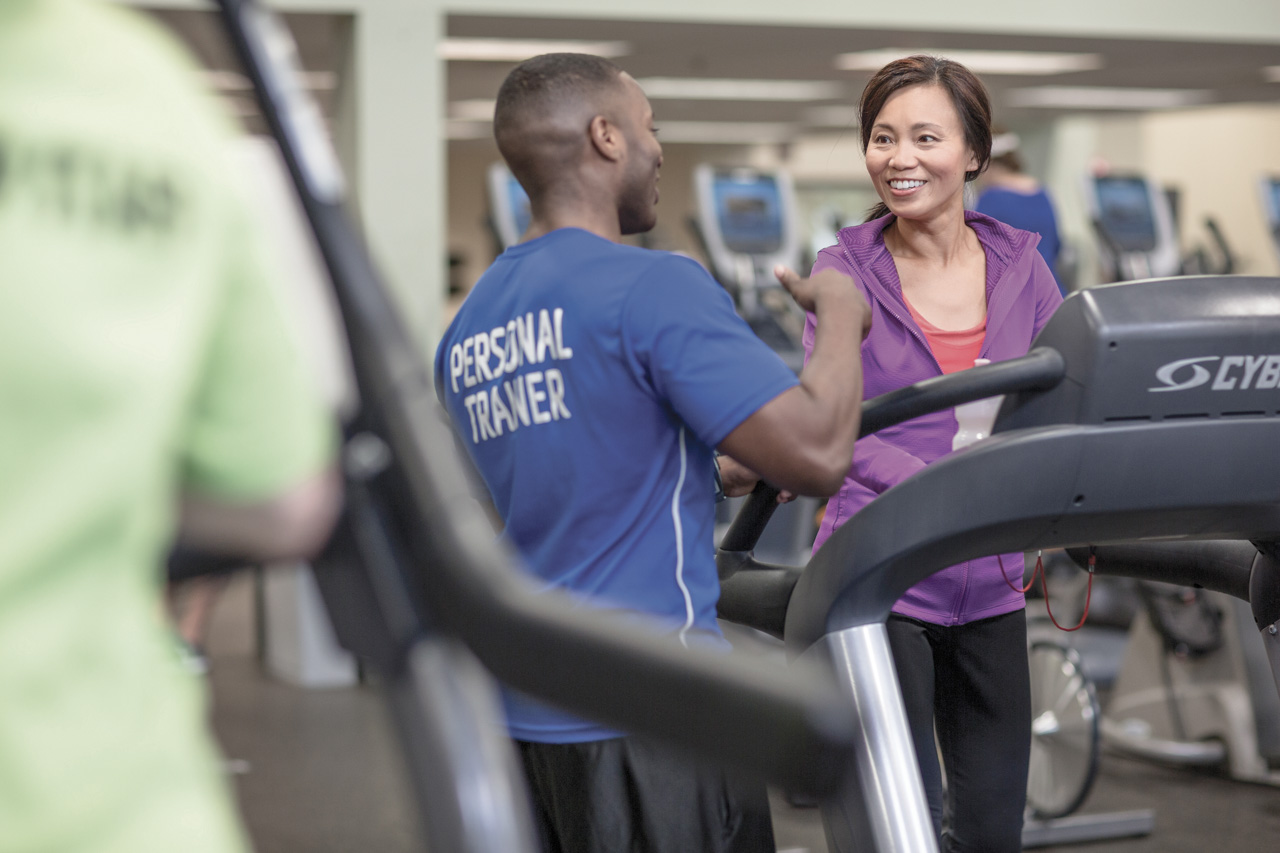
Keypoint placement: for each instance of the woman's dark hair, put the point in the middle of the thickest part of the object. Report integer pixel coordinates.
(969, 96)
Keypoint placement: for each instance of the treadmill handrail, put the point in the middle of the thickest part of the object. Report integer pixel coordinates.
(1069, 491)
(1242, 569)
(1039, 370)
(793, 726)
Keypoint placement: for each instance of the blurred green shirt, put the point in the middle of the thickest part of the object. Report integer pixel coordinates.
(142, 353)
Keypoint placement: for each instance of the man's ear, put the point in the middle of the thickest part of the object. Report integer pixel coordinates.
(607, 138)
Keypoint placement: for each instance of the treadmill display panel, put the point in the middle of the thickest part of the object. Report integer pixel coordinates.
(1125, 212)
(1273, 204)
(748, 210)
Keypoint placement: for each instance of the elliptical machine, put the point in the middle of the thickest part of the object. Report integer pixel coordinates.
(746, 223)
(1136, 223)
(1194, 687)
(1119, 425)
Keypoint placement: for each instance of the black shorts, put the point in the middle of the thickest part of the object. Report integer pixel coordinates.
(629, 795)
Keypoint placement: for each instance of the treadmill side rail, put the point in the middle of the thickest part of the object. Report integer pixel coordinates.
(885, 807)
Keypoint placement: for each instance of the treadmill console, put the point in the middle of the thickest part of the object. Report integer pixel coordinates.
(747, 221)
(1135, 220)
(1192, 347)
(748, 211)
(1127, 212)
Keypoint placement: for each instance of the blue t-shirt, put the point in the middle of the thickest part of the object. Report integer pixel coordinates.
(590, 382)
(1029, 211)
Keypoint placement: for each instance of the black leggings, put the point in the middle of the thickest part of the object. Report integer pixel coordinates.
(630, 795)
(970, 682)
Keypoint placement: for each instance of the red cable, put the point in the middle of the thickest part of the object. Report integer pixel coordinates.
(1039, 570)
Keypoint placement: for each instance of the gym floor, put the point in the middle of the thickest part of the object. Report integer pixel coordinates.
(317, 771)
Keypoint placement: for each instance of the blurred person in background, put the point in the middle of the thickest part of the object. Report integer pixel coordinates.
(149, 386)
(946, 286)
(1015, 198)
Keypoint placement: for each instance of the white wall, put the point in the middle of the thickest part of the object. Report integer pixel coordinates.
(1215, 156)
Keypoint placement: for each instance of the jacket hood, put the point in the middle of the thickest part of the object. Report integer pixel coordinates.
(863, 242)
(1010, 250)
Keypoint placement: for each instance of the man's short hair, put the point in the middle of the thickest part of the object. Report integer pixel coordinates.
(538, 89)
(545, 82)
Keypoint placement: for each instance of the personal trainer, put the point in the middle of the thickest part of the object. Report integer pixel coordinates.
(591, 382)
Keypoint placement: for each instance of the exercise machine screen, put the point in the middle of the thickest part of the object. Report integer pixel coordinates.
(749, 211)
(1126, 213)
(1271, 200)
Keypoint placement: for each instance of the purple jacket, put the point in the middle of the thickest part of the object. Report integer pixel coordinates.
(1021, 296)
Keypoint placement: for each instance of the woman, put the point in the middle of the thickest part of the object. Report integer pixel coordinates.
(945, 286)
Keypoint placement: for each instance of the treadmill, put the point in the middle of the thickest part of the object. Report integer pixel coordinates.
(419, 587)
(1148, 410)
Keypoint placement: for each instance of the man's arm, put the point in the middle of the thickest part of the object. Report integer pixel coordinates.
(738, 480)
(293, 524)
(802, 440)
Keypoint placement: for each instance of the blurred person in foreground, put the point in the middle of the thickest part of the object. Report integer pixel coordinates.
(1015, 198)
(150, 387)
(591, 382)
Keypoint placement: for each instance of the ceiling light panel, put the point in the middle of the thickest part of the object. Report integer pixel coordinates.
(978, 61)
(708, 89)
(460, 129)
(832, 115)
(476, 109)
(1106, 98)
(725, 132)
(518, 50)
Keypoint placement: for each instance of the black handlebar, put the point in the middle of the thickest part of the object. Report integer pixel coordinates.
(1228, 264)
(1038, 370)
(790, 725)
(1249, 571)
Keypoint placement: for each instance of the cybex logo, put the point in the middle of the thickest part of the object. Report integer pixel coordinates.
(1235, 373)
(1199, 375)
